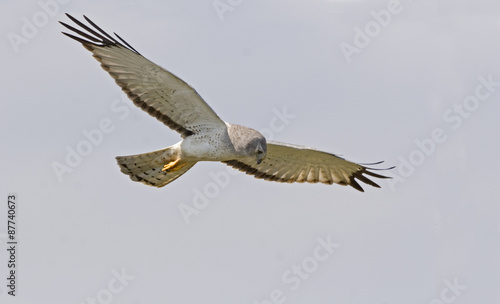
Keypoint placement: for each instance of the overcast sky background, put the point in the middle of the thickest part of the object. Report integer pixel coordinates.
(433, 226)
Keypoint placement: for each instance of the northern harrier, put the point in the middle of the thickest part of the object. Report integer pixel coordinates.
(205, 137)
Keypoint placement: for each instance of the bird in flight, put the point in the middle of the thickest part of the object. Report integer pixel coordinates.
(205, 137)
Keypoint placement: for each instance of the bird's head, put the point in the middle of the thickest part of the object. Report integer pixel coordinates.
(257, 147)
(248, 142)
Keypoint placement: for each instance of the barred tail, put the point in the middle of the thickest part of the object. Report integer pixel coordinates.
(149, 168)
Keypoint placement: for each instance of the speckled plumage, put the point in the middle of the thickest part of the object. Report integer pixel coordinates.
(205, 137)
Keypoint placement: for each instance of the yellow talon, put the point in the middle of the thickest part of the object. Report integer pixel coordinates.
(170, 165)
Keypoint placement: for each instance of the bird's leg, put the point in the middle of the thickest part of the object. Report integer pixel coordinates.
(170, 165)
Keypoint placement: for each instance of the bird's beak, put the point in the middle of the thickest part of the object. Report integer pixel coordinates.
(259, 158)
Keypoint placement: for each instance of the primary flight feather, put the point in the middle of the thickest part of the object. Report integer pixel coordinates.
(205, 137)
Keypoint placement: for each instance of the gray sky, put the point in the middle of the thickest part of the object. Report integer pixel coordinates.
(414, 83)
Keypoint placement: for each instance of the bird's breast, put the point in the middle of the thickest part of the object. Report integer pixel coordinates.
(208, 147)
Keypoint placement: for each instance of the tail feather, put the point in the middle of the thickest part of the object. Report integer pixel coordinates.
(147, 168)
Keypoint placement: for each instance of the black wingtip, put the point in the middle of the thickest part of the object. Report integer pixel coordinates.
(126, 43)
(353, 183)
(94, 35)
(361, 175)
(373, 164)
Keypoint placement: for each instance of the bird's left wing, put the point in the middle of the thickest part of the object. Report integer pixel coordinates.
(151, 87)
(287, 163)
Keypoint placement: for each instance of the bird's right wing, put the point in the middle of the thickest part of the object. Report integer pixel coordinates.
(151, 87)
(288, 163)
